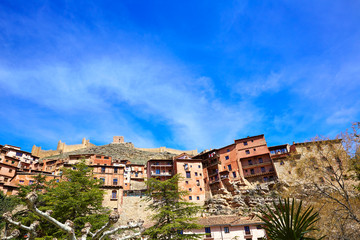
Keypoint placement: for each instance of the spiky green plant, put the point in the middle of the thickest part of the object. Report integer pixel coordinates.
(287, 221)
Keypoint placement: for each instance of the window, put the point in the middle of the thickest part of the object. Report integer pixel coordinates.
(57, 180)
(245, 143)
(254, 149)
(207, 232)
(200, 189)
(226, 157)
(266, 179)
(250, 162)
(115, 170)
(197, 182)
(12, 162)
(226, 229)
(262, 169)
(282, 163)
(180, 231)
(114, 194)
(234, 174)
(252, 171)
(258, 227)
(18, 154)
(106, 157)
(188, 175)
(187, 182)
(196, 173)
(197, 198)
(190, 197)
(200, 174)
(247, 151)
(229, 167)
(31, 182)
(102, 179)
(10, 170)
(228, 150)
(115, 181)
(102, 169)
(189, 189)
(247, 230)
(157, 171)
(136, 174)
(199, 166)
(21, 181)
(261, 160)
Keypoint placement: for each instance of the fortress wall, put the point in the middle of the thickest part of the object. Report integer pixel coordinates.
(61, 148)
(134, 208)
(170, 150)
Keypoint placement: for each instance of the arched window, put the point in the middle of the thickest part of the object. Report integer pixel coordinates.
(114, 194)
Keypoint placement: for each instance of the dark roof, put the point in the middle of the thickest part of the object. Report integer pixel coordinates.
(278, 146)
(240, 139)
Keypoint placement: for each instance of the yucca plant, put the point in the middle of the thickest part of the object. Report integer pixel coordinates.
(287, 221)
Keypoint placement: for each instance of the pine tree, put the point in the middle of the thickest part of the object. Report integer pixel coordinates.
(172, 215)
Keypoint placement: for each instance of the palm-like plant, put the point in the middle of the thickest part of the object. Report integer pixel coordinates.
(288, 222)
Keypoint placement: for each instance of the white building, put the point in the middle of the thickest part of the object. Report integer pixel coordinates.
(230, 227)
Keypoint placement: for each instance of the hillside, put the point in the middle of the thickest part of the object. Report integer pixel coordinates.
(122, 151)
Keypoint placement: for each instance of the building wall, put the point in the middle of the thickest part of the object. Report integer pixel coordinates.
(113, 198)
(235, 232)
(195, 183)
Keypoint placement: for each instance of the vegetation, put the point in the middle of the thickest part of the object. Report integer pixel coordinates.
(172, 214)
(328, 177)
(287, 221)
(77, 197)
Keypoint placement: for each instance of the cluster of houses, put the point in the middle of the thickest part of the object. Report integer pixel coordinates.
(246, 161)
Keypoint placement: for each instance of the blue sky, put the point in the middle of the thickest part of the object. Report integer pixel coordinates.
(181, 74)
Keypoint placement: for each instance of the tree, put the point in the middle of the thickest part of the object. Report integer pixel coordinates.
(68, 226)
(7, 203)
(327, 175)
(287, 221)
(73, 205)
(172, 214)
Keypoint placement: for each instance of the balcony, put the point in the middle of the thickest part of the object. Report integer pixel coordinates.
(160, 174)
(258, 173)
(246, 166)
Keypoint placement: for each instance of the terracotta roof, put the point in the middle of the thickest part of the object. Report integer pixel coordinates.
(230, 220)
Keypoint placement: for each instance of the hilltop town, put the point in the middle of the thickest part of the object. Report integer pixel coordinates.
(231, 182)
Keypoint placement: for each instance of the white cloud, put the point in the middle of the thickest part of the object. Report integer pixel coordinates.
(157, 91)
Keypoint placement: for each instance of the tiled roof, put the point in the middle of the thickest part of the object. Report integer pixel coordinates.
(230, 220)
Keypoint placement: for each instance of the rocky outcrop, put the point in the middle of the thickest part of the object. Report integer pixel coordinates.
(242, 201)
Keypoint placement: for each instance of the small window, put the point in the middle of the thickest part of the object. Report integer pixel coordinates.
(234, 174)
(196, 173)
(229, 167)
(228, 150)
(102, 169)
(199, 166)
(187, 182)
(254, 149)
(262, 169)
(115, 170)
(10, 170)
(190, 190)
(31, 182)
(226, 157)
(252, 171)
(12, 162)
(247, 151)
(200, 189)
(114, 194)
(200, 174)
(226, 230)
(157, 171)
(261, 160)
(250, 162)
(247, 229)
(197, 198)
(102, 179)
(190, 197)
(115, 181)
(188, 175)
(258, 227)
(21, 181)
(245, 143)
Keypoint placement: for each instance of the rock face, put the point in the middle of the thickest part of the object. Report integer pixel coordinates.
(124, 151)
(241, 201)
